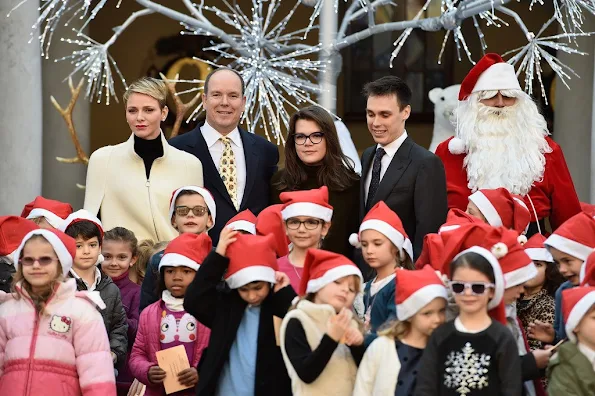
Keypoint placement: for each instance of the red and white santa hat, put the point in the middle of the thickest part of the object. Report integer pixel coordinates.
(576, 236)
(270, 222)
(501, 208)
(203, 192)
(252, 258)
(431, 252)
(64, 247)
(243, 221)
(499, 246)
(587, 275)
(491, 73)
(54, 211)
(322, 268)
(81, 215)
(313, 203)
(576, 302)
(12, 231)
(535, 249)
(187, 250)
(416, 289)
(382, 219)
(455, 218)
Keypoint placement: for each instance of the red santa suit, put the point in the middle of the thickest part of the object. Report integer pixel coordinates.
(554, 196)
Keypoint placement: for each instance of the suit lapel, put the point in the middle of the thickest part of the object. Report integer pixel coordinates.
(211, 174)
(394, 172)
(251, 163)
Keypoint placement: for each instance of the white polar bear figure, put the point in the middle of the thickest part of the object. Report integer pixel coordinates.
(445, 102)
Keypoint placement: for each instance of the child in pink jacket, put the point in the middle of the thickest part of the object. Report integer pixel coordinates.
(165, 324)
(52, 339)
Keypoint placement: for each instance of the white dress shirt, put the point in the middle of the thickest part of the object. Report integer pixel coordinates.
(588, 352)
(216, 146)
(391, 150)
(95, 283)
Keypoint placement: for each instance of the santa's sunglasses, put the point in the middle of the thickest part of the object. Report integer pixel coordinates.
(477, 288)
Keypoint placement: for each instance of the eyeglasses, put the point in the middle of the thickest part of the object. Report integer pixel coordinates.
(43, 261)
(477, 288)
(196, 210)
(310, 224)
(315, 138)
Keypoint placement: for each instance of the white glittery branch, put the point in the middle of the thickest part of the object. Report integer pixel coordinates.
(96, 63)
(531, 55)
(569, 13)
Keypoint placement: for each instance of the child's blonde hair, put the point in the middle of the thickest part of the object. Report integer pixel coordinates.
(146, 249)
(39, 300)
(395, 329)
(148, 86)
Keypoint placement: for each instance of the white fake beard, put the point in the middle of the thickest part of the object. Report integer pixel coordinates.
(505, 146)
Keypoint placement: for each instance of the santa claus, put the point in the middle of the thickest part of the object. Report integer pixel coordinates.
(502, 141)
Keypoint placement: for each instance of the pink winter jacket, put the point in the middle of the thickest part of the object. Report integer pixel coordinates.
(64, 352)
(147, 343)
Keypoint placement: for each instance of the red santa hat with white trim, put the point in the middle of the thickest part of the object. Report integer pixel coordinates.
(382, 219)
(12, 231)
(455, 218)
(576, 236)
(64, 247)
(203, 192)
(576, 302)
(252, 258)
(243, 221)
(491, 73)
(535, 249)
(270, 222)
(313, 203)
(587, 275)
(431, 252)
(187, 250)
(499, 246)
(416, 289)
(54, 211)
(322, 268)
(81, 215)
(501, 208)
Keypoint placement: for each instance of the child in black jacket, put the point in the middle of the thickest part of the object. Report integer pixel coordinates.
(241, 308)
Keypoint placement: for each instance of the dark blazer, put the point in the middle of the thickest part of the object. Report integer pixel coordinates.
(414, 187)
(214, 305)
(261, 163)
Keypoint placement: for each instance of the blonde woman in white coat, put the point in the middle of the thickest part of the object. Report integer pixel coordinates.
(390, 364)
(130, 184)
(321, 342)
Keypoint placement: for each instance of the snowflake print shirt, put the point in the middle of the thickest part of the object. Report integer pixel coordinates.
(456, 363)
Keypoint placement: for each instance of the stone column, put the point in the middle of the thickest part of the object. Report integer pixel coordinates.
(574, 123)
(60, 179)
(20, 108)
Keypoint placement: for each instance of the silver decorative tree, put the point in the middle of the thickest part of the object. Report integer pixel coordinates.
(281, 72)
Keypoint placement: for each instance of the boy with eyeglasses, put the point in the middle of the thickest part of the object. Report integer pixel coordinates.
(192, 210)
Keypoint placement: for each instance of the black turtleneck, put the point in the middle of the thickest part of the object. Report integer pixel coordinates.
(149, 151)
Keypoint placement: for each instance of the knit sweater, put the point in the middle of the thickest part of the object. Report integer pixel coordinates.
(64, 352)
(469, 364)
(345, 205)
(118, 189)
(326, 367)
(378, 372)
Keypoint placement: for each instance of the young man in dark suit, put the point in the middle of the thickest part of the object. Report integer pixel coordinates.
(237, 165)
(407, 177)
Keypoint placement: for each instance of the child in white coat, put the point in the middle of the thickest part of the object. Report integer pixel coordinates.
(390, 364)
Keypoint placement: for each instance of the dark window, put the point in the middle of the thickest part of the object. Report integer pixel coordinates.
(417, 62)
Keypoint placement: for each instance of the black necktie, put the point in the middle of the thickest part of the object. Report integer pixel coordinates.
(375, 181)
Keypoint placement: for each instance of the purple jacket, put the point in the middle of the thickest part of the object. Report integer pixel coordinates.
(147, 344)
(130, 293)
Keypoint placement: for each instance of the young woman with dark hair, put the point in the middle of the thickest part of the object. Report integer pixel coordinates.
(313, 158)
